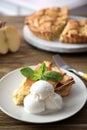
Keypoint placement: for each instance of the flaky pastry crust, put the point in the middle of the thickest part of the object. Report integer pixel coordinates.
(75, 32)
(47, 23)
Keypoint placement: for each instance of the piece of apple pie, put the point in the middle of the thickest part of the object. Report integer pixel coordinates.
(75, 32)
(62, 86)
(48, 23)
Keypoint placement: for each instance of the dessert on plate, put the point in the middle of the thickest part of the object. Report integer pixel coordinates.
(48, 23)
(60, 80)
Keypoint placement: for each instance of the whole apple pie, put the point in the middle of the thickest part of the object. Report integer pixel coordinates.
(48, 23)
(55, 24)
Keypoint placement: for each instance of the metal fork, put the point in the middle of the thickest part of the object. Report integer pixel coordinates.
(59, 62)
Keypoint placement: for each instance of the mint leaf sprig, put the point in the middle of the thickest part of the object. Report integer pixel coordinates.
(41, 73)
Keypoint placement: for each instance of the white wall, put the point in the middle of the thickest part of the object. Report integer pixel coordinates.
(15, 7)
(24, 7)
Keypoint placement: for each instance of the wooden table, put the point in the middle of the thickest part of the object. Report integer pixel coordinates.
(29, 55)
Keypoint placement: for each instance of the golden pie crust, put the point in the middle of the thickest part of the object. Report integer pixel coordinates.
(75, 32)
(61, 87)
(54, 24)
(47, 23)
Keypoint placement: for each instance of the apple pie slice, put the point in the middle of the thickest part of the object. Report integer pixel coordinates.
(75, 32)
(61, 87)
(47, 23)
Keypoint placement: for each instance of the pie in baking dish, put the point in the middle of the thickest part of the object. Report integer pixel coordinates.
(48, 23)
(62, 86)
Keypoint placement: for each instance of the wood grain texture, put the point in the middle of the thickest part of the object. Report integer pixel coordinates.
(29, 55)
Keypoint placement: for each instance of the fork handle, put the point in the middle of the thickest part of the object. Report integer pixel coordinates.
(79, 73)
(83, 75)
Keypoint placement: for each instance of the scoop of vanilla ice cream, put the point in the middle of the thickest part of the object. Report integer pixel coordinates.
(54, 102)
(42, 89)
(33, 105)
(42, 97)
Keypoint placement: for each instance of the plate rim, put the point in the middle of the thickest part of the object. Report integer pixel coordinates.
(15, 117)
(54, 47)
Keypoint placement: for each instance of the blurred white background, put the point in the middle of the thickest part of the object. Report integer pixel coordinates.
(24, 7)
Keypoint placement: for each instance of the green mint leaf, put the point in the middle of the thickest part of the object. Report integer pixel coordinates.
(38, 73)
(51, 75)
(41, 73)
(27, 72)
(42, 68)
(33, 74)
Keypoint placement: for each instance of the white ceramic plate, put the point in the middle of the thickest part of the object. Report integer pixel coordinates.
(72, 103)
(53, 46)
